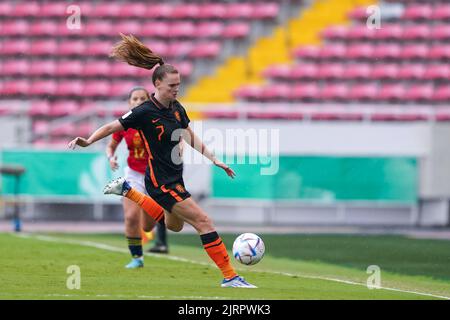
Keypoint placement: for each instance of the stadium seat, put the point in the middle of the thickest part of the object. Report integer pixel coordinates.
(70, 88)
(333, 51)
(388, 51)
(360, 32)
(392, 92)
(389, 32)
(205, 50)
(39, 108)
(411, 71)
(265, 10)
(441, 12)
(16, 87)
(134, 10)
(99, 48)
(43, 28)
(276, 92)
(155, 29)
(44, 47)
(305, 92)
(65, 129)
(43, 87)
(211, 10)
(185, 11)
(416, 32)
(159, 10)
(335, 33)
(26, 9)
(15, 47)
(178, 49)
(437, 72)
(359, 13)
(128, 27)
(331, 71)
(439, 52)
(306, 52)
(360, 51)
(441, 32)
(419, 93)
(96, 28)
(120, 69)
(249, 92)
(415, 51)
(442, 94)
(335, 92)
(15, 28)
(69, 68)
(121, 88)
(106, 10)
(15, 67)
(236, 30)
(363, 92)
(63, 108)
(6, 8)
(96, 68)
(185, 29)
(304, 71)
(43, 67)
(385, 71)
(55, 9)
(40, 127)
(239, 11)
(358, 71)
(96, 88)
(282, 71)
(418, 12)
(72, 48)
(209, 30)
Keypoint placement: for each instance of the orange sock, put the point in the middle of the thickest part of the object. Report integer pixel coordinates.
(217, 251)
(149, 205)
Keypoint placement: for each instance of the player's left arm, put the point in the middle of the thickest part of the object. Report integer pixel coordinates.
(98, 134)
(196, 143)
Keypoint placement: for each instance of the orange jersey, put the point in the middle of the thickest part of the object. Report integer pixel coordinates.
(138, 156)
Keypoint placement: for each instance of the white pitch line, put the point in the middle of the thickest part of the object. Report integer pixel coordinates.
(175, 258)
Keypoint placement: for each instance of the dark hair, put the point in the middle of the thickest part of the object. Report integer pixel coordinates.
(136, 89)
(135, 53)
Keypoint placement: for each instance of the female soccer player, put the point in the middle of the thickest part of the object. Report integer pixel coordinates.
(163, 121)
(135, 174)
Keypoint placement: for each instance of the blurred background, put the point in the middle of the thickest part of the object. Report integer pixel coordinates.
(358, 94)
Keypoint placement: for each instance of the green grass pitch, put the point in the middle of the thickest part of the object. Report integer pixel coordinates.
(295, 267)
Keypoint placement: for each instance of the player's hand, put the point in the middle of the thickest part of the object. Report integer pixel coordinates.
(113, 163)
(227, 169)
(78, 141)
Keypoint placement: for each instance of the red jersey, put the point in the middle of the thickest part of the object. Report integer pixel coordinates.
(138, 156)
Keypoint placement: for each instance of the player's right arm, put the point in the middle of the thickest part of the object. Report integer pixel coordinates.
(98, 134)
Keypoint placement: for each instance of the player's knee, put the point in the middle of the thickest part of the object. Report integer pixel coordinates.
(175, 227)
(203, 222)
(132, 219)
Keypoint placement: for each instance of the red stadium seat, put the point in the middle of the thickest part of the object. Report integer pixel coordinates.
(387, 51)
(14, 28)
(265, 10)
(128, 27)
(307, 52)
(43, 67)
(212, 11)
(331, 71)
(106, 9)
(442, 94)
(26, 9)
(304, 71)
(15, 47)
(419, 93)
(333, 51)
(159, 10)
(359, 13)
(43, 87)
(6, 9)
(184, 29)
(185, 68)
(65, 129)
(411, 71)
(97, 28)
(41, 127)
(44, 47)
(206, 50)
(358, 71)
(441, 32)
(121, 69)
(63, 108)
(363, 92)
(392, 92)
(239, 11)
(56, 9)
(282, 71)
(44, 27)
(415, 51)
(69, 68)
(16, 67)
(70, 88)
(236, 30)
(96, 88)
(335, 92)
(305, 92)
(418, 12)
(389, 32)
(437, 72)
(441, 12)
(39, 108)
(16, 87)
(249, 92)
(179, 49)
(360, 51)
(96, 68)
(360, 32)
(99, 48)
(155, 29)
(209, 30)
(439, 52)
(185, 11)
(385, 71)
(416, 32)
(121, 88)
(335, 32)
(134, 10)
(276, 92)
(72, 48)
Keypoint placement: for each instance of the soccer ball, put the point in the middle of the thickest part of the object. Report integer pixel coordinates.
(248, 249)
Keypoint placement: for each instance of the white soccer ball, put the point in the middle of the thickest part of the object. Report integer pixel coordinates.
(248, 249)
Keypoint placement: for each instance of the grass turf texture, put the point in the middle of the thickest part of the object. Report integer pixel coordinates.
(32, 268)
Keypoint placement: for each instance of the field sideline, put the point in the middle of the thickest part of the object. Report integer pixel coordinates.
(295, 267)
